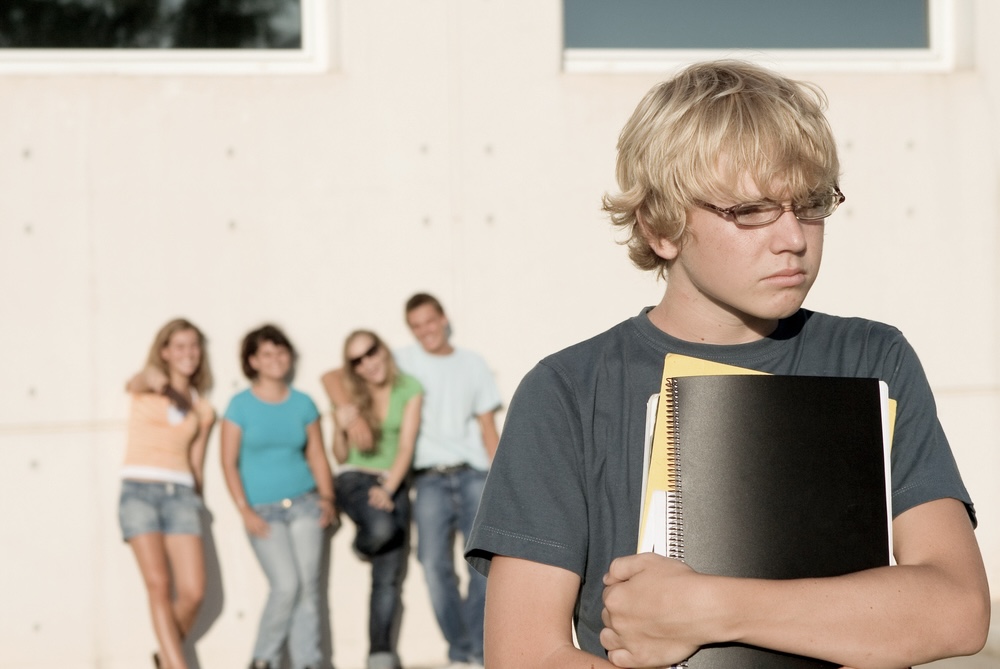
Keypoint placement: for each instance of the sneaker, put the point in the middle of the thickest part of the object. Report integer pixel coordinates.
(383, 660)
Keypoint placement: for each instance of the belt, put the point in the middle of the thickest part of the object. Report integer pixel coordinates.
(443, 470)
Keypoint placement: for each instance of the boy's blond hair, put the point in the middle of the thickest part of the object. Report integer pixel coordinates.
(713, 133)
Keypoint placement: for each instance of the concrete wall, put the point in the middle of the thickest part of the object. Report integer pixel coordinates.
(445, 151)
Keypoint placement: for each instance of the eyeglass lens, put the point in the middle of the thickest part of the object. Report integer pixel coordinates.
(814, 209)
(367, 354)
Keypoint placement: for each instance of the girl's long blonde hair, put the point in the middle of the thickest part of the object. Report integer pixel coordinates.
(357, 387)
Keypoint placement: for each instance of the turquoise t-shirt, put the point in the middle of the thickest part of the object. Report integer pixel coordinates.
(272, 447)
(384, 453)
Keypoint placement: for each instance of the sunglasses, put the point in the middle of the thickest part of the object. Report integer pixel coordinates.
(354, 362)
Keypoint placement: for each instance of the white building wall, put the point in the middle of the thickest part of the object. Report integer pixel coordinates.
(445, 151)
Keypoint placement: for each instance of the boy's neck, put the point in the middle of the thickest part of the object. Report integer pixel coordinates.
(694, 325)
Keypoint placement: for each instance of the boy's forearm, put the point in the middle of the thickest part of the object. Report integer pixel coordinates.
(935, 604)
(887, 617)
(488, 429)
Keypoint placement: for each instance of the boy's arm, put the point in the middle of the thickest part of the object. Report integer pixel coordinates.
(935, 603)
(529, 617)
(488, 427)
(346, 414)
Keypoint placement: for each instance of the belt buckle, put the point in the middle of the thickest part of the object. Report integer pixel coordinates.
(286, 503)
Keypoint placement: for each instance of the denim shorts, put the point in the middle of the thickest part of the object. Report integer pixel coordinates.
(168, 508)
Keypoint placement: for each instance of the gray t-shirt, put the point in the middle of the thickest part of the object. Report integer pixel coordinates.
(565, 485)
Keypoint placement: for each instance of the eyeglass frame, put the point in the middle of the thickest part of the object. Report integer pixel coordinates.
(355, 362)
(729, 213)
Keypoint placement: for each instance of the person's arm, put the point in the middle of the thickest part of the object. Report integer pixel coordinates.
(488, 427)
(196, 454)
(345, 412)
(934, 604)
(380, 496)
(230, 438)
(339, 445)
(320, 467)
(529, 617)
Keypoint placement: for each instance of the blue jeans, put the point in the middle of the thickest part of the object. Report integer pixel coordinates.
(382, 538)
(446, 504)
(290, 556)
(150, 506)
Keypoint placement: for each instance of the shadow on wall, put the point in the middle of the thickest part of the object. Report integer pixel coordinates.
(211, 607)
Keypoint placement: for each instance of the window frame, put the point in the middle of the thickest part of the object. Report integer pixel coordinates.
(313, 56)
(948, 20)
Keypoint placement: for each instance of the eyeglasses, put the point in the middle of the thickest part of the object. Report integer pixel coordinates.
(354, 362)
(816, 208)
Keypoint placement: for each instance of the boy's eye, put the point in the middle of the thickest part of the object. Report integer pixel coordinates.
(754, 209)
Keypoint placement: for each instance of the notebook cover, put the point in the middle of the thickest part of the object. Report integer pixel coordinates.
(779, 477)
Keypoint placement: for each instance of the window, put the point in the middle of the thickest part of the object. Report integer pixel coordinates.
(168, 36)
(847, 35)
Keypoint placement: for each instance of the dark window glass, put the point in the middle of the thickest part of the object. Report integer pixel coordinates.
(741, 24)
(151, 24)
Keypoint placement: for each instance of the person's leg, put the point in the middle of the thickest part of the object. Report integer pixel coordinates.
(434, 513)
(139, 512)
(307, 546)
(151, 554)
(187, 564)
(277, 559)
(388, 572)
(471, 483)
(181, 518)
(376, 530)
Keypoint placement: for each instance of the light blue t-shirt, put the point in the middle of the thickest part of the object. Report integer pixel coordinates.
(272, 446)
(457, 388)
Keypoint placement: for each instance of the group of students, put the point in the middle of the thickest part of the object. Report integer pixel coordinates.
(276, 469)
(727, 174)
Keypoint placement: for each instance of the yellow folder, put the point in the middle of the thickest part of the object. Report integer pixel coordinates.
(656, 469)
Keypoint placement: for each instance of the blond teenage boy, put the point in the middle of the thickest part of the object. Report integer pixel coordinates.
(727, 175)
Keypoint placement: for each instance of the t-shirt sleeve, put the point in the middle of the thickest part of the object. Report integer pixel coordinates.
(487, 396)
(236, 411)
(409, 387)
(923, 466)
(534, 504)
(310, 412)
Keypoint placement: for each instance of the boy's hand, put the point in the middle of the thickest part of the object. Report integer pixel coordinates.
(657, 611)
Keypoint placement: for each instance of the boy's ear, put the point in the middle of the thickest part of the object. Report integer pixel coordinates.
(661, 246)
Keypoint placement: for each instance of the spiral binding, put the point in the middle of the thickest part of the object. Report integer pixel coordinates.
(675, 501)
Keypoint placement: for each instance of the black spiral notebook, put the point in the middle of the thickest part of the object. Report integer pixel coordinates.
(773, 477)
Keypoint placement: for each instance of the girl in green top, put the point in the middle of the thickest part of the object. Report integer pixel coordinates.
(372, 483)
